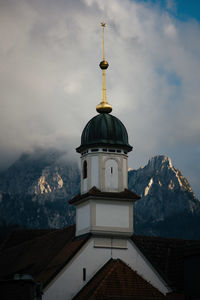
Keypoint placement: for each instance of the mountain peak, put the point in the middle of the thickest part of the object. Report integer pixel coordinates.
(157, 162)
(159, 172)
(164, 190)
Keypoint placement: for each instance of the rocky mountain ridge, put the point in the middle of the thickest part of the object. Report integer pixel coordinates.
(35, 190)
(39, 185)
(166, 195)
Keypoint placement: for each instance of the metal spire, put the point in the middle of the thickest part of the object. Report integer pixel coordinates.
(104, 106)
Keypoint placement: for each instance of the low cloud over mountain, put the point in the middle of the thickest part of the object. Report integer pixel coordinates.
(35, 190)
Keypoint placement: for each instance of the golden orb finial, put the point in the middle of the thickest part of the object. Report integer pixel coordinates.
(104, 106)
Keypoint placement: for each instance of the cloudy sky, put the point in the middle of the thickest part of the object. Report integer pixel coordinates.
(50, 81)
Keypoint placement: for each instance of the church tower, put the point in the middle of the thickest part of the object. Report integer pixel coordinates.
(105, 205)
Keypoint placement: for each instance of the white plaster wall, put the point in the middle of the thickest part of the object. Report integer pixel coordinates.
(99, 172)
(70, 281)
(135, 259)
(95, 171)
(85, 185)
(111, 177)
(82, 217)
(125, 174)
(113, 215)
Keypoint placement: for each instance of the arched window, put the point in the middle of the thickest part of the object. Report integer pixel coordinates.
(85, 169)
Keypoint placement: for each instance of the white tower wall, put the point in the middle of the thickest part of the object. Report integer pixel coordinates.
(105, 217)
(107, 170)
(111, 174)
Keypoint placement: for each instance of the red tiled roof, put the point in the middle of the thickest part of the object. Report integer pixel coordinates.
(94, 192)
(116, 280)
(42, 257)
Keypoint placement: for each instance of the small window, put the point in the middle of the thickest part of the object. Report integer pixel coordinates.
(125, 152)
(94, 150)
(84, 274)
(111, 170)
(111, 150)
(85, 169)
(119, 151)
(105, 150)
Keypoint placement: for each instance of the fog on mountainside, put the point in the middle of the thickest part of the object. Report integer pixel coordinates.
(35, 190)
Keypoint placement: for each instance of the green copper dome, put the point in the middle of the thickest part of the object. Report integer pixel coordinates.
(104, 130)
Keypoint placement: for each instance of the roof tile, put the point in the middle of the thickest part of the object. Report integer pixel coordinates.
(116, 280)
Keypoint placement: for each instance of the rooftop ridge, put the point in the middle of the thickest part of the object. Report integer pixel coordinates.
(107, 275)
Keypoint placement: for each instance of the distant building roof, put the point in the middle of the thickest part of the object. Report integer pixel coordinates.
(167, 256)
(19, 236)
(42, 256)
